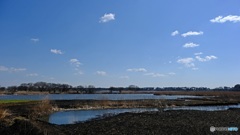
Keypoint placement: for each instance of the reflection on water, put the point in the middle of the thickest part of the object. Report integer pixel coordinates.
(70, 117)
(94, 97)
(204, 108)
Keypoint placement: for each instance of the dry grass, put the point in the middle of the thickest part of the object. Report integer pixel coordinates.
(4, 113)
(44, 107)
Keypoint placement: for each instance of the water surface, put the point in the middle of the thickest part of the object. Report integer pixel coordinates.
(71, 117)
(204, 108)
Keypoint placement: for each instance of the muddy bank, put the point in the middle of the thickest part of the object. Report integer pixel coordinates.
(169, 122)
(22, 122)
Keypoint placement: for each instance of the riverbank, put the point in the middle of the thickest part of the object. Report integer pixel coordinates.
(164, 123)
(30, 117)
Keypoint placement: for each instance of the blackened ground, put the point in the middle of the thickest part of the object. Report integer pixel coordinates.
(160, 123)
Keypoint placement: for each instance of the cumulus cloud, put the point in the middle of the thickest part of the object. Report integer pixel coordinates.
(207, 58)
(75, 62)
(229, 18)
(35, 40)
(190, 45)
(174, 33)
(136, 70)
(102, 73)
(32, 74)
(107, 17)
(55, 51)
(198, 53)
(188, 62)
(155, 74)
(12, 69)
(192, 33)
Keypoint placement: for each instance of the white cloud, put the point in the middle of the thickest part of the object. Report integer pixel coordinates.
(32, 75)
(35, 40)
(188, 62)
(107, 17)
(155, 74)
(3, 68)
(172, 73)
(79, 72)
(198, 53)
(174, 33)
(192, 33)
(207, 58)
(102, 73)
(137, 70)
(194, 68)
(12, 69)
(55, 51)
(190, 45)
(75, 62)
(229, 18)
(124, 77)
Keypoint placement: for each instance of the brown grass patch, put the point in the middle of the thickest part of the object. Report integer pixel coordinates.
(44, 107)
(4, 113)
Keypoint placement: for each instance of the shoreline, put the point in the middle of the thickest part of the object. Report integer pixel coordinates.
(35, 115)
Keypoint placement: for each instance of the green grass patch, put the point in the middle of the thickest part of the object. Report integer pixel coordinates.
(14, 101)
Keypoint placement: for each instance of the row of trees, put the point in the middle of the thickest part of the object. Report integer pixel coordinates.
(65, 88)
(49, 87)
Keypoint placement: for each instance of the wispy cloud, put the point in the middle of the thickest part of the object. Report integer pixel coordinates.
(107, 17)
(35, 40)
(172, 73)
(124, 77)
(55, 51)
(229, 18)
(155, 74)
(11, 69)
(75, 62)
(188, 62)
(32, 74)
(192, 33)
(136, 70)
(102, 73)
(174, 33)
(207, 58)
(3, 68)
(200, 53)
(195, 68)
(190, 45)
(78, 72)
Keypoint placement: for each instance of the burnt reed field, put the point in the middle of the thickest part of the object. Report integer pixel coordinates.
(31, 117)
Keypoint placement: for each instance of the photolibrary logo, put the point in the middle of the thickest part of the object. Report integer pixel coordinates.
(231, 129)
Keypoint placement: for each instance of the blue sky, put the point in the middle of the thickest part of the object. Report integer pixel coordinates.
(120, 43)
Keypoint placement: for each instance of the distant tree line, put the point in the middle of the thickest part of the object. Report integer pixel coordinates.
(90, 89)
